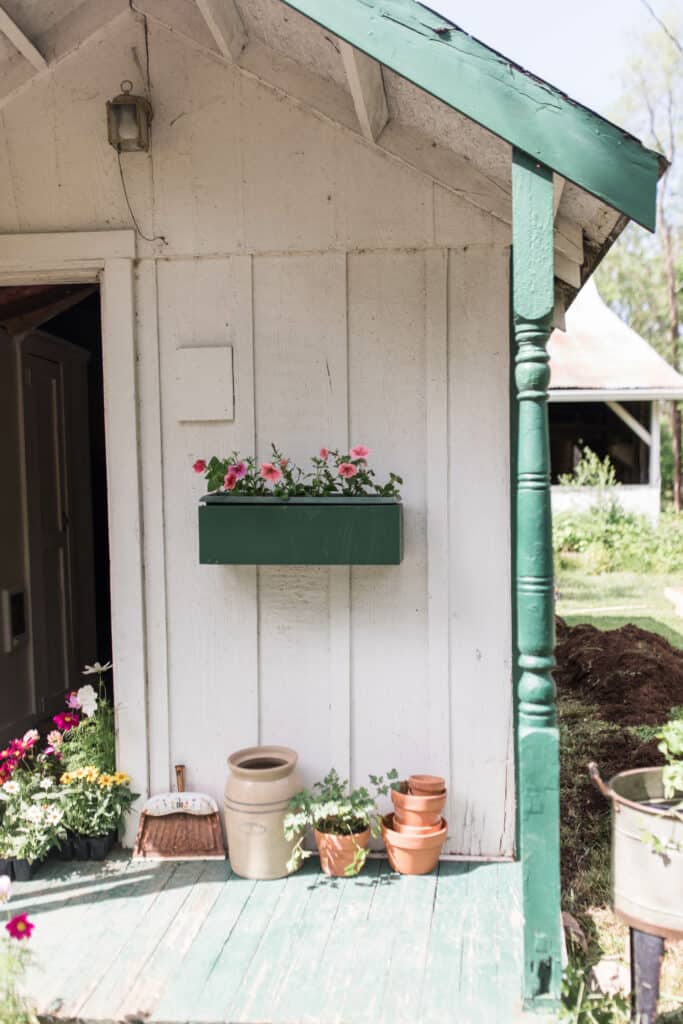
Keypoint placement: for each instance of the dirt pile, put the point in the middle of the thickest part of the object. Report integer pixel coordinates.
(629, 676)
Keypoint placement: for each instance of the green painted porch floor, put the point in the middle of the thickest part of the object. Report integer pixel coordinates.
(190, 942)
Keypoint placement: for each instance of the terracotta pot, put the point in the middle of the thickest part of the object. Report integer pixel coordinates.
(337, 852)
(417, 810)
(416, 830)
(413, 855)
(426, 785)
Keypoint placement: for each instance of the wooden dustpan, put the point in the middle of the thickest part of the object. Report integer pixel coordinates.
(180, 826)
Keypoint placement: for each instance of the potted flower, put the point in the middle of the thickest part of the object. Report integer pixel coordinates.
(85, 733)
(15, 958)
(342, 821)
(275, 513)
(31, 819)
(95, 804)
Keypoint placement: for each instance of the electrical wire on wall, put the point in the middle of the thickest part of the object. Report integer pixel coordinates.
(154, 238)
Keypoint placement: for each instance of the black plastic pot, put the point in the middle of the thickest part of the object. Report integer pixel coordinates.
(100, 846)
(6, 867)
(23, 869)
(81, 847)
(65, 848)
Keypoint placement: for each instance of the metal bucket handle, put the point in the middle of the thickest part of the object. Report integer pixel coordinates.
(598, 780)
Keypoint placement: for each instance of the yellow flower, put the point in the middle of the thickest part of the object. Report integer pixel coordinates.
(91, 773)
(121, 778)
(66, 779)
(105, 781)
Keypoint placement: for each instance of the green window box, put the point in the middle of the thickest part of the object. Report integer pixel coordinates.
(236, 530)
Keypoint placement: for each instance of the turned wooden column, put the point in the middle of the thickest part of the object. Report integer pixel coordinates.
(537, 734)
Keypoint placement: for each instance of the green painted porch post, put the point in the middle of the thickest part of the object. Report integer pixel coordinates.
(537, 734)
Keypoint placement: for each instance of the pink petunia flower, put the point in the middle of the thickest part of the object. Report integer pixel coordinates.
(20, 927)
(66, 720)
(347, 470)
(239, 469)
(324, 453)
(230, 480)
(359, 452)
(284, 463)
(270, 472)
(199, 466)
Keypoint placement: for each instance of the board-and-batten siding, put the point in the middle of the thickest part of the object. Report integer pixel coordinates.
(363, 304)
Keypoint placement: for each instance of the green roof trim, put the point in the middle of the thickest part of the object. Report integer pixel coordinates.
(443, 60)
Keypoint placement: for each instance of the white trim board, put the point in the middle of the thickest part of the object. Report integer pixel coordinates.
(108, 257)
(617, 395)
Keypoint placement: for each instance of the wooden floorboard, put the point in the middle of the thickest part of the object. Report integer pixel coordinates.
(191, 943)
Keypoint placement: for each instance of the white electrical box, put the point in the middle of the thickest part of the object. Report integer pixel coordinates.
(203, 384)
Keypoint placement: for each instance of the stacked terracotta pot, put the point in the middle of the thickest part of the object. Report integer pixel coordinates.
(415, 833)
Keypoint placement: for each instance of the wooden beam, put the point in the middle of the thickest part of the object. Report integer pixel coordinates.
(225, 25)
(21, 41)
(440, 58)
(364, 76)
(631, 422)
(538, 741)
(558, 189)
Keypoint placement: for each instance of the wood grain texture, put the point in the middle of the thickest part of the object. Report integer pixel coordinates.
(171, 943)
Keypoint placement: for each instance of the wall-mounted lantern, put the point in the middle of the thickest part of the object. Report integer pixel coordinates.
(128, 120)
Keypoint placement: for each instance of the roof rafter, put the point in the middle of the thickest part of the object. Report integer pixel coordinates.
(225, 25)
(21, 41)
(364, 76)
(440, 58)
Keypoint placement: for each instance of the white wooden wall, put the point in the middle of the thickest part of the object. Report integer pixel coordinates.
(364, 303)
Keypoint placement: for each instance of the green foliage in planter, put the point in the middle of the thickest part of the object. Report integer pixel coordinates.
(331, 807)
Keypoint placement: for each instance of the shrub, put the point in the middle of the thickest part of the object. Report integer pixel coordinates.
(608, 539)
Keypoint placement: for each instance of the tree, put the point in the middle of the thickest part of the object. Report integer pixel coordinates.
(642, 278)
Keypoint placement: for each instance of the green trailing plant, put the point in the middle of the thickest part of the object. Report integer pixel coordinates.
(331, 807)
(333, 473)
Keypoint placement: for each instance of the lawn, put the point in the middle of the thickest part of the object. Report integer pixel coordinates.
(607, 601)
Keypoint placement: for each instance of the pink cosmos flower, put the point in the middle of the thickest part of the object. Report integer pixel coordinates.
(72, 701)
(20, 927)
(347, 470)
(270, 472)
(324, 453)
(230, 480)
(66, 720)
(359, 452)
(239, 469)
(199, 466)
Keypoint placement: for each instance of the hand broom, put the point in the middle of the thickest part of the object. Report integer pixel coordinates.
(180, 826)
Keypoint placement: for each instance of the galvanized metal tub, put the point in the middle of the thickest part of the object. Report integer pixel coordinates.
(647, 851)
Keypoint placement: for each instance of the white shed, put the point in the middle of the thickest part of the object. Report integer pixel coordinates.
(316, 249)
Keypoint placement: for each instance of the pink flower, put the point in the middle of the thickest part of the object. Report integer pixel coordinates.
(230, 480)
(239, 469)
(72, 701)
(66, 720)
(270, 472)
(284, 463)
(359, 452)
(324, 453)
(347, 470)
(199, 466)
(20, 927)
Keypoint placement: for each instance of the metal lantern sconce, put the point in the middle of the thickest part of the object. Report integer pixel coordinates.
(128, 120)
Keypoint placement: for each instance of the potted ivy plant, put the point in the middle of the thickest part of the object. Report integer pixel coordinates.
(276, 513)
(342, 821)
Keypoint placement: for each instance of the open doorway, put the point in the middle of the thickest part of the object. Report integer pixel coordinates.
(54, 554)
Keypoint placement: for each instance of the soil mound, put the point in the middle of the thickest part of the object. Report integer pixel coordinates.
(630, 676)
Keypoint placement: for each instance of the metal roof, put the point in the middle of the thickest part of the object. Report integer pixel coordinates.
(598, 357)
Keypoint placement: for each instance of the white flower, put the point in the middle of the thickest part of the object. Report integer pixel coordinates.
(34, 814)
(11, 787)
(45, 783)
(5, 888)
(87, 698)
(96, 669)
(53, 816)
(31, 736)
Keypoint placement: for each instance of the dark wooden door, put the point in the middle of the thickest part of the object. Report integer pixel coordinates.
(55, 400)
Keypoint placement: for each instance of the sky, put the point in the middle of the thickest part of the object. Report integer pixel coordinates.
(578, 46)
